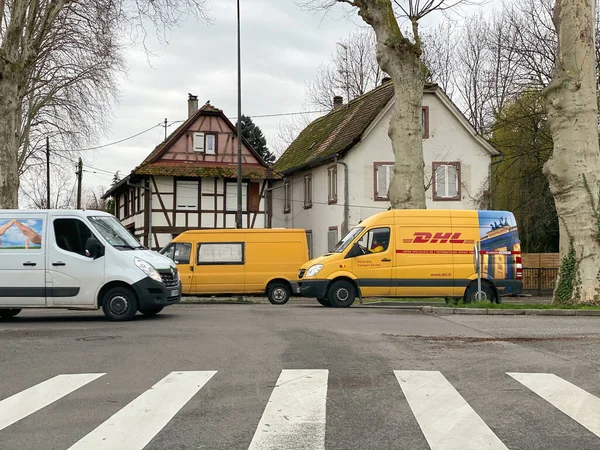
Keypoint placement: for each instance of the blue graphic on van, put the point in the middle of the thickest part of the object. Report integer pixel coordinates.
(21, 234)
(498, 233)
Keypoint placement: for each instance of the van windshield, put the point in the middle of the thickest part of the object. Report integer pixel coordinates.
(115, 233)
(346, 240)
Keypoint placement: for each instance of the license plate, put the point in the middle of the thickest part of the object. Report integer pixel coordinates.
(174, 293)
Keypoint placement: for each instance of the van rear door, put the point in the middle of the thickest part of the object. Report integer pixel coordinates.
(22, 251)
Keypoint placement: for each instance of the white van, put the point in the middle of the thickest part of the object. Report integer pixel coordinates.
(78, 259)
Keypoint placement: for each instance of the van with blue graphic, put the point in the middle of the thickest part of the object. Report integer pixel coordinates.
(419, 253)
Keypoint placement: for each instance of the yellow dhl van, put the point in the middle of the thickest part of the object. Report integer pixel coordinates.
(419, 253)
(233, 261)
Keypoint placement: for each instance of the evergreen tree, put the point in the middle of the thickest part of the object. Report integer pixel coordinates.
(256, 139)
(110, 203)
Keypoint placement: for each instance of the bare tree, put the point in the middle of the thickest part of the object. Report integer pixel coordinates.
(62, 187)
(573, 170)
(353, 70)
(399, 55)
(439, 49)
(58, 61)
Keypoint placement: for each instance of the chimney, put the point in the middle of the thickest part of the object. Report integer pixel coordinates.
(385, 80)
(192, 105)
(337, 101)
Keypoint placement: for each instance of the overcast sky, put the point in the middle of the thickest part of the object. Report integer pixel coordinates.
(282, 46)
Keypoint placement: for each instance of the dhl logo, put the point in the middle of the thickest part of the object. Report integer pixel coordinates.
(422, 237)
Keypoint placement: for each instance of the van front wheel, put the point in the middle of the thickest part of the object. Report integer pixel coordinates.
(119, 303)
(279, 293)
(341, 294)
(8, 313)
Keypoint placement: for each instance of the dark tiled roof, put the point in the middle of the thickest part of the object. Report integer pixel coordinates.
(336, 132)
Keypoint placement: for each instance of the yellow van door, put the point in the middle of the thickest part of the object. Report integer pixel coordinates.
(373, 268)
(219, 268)
(424, 260)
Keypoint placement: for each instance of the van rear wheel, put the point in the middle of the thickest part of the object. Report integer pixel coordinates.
(9, 313)
(487, 293)
(341, 294)
(119, 304)
(324, 302)
(278, 293)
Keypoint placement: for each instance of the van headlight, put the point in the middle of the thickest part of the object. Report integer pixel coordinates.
(148, 269)
(314, 270)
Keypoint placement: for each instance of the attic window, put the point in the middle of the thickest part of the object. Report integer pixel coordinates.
(198, 142)
(210, 144)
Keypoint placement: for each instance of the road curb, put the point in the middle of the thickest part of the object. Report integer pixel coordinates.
(512, 312)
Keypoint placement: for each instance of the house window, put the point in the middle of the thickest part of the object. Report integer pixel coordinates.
(446, 181)
(287, 197)
(309, 243)
(332, 184)
(307, 191)
(231, 198)
(425, 121)
(383, 177)
(187, 194)
(254, 197)
(332, 237)
(210, 144)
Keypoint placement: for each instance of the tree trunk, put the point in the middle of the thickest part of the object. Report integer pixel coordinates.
(400, 58)
(574, 168)
(9, 141)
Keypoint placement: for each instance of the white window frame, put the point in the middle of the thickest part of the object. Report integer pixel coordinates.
(210, 150)
(388, 168)
(446, 182)
(231, 199)
(180, 187)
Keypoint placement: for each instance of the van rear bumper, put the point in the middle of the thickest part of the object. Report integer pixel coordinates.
(152, 294)
(313, 288)
(509, 287)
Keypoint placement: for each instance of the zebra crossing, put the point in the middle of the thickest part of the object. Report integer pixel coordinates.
(295, 415)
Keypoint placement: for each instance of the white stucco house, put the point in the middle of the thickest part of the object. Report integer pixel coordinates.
(353, 139)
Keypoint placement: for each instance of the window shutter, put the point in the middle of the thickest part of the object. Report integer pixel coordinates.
(440, 181)
(254, 197)
(198, 142)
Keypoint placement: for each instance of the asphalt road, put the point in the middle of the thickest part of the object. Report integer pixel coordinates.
(298, 376)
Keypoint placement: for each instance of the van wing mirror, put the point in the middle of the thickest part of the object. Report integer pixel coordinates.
(354, 251)
(93, 248)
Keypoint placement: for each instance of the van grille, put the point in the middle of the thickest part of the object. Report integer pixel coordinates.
(301, 273)
(170, 279)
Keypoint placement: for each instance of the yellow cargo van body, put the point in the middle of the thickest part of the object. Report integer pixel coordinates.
(419, 253)
(232, 261)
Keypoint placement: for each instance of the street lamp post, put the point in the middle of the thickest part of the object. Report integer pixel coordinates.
(239, 126)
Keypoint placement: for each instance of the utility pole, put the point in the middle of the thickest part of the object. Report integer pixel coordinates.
(239, 126)
(47, 172)
(79, 176)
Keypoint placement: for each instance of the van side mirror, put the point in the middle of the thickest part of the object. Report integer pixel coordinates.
(354, 251)
(93, 248)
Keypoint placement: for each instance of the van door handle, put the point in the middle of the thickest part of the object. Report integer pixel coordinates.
(386, 260)
(29, 263)
(58, 263)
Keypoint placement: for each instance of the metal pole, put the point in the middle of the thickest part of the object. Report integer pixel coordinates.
(47, 172)
(79, 176)
(479, 293)
(239, 126)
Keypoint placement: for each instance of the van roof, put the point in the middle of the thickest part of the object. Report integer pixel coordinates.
(85, 212)
(242, 230)
(427, 212)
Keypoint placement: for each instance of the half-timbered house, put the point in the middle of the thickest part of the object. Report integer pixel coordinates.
(193, 179)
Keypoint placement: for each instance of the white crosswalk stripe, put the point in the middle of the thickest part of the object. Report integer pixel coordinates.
(570, 399)
(446, 419)
(41, 395)
(137, 423)
(295, 415)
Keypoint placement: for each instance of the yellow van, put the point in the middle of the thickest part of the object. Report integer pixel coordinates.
(233, 261)
(419, 253)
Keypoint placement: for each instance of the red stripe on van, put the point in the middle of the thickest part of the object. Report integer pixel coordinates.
(437, 252)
